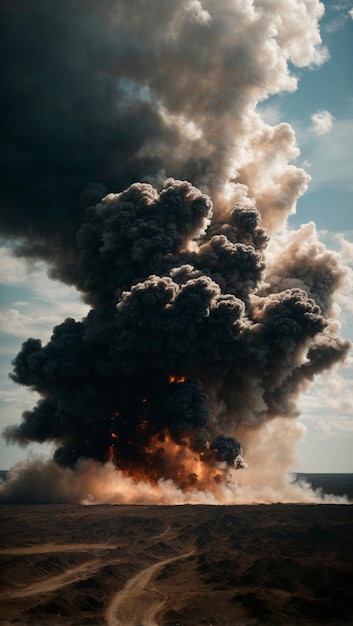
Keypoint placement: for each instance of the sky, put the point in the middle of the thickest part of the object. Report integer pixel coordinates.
(319, 111)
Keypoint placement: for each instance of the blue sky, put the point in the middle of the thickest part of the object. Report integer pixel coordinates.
(320, 112)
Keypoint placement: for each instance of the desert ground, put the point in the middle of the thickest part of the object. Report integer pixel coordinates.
(188, 565)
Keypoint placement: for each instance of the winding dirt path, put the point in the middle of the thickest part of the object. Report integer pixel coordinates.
(54, 547)
(72, 575)
(133, 605)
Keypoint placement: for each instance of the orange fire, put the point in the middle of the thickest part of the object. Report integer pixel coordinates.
(176, 379)
(183, 465)
(114, 435)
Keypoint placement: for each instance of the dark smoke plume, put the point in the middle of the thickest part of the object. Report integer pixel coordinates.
(196, 333)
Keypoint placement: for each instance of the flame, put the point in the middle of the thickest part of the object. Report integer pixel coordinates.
(114, 436)
(184, 466)
(176, 379)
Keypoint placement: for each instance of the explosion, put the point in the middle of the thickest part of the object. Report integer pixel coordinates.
(198, 334)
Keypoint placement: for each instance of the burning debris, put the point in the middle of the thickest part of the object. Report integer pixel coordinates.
(196, 333)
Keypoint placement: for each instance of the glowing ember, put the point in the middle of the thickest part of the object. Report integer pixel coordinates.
(177, 379)
(111, 453)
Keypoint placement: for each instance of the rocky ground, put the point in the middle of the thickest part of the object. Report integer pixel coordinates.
(197, 565)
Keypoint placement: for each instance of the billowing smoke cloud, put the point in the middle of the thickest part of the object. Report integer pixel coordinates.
(199, 331)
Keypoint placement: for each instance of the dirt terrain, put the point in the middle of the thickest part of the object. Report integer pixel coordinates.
(186, 565)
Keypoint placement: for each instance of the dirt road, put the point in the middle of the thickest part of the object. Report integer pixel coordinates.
(134, 604)
(52, 583)
(54, 548)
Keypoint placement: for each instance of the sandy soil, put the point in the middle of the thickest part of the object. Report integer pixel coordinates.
(284, 565)
(128, 607)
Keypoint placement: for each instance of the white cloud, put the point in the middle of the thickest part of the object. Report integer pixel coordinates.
(47, 301)
(337, 23)
(340, 425)
(324, 426)
(15, 399)
(343, 13)
(13, 322)
(56, 298)
(330, 399)
(337, 392)
(12, 269)
(329, 440)
(45, 304)
(322, 122)
(331, 156)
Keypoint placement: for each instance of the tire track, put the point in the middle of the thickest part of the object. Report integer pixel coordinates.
(132, 606)
(53, 547)
(72, 575)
